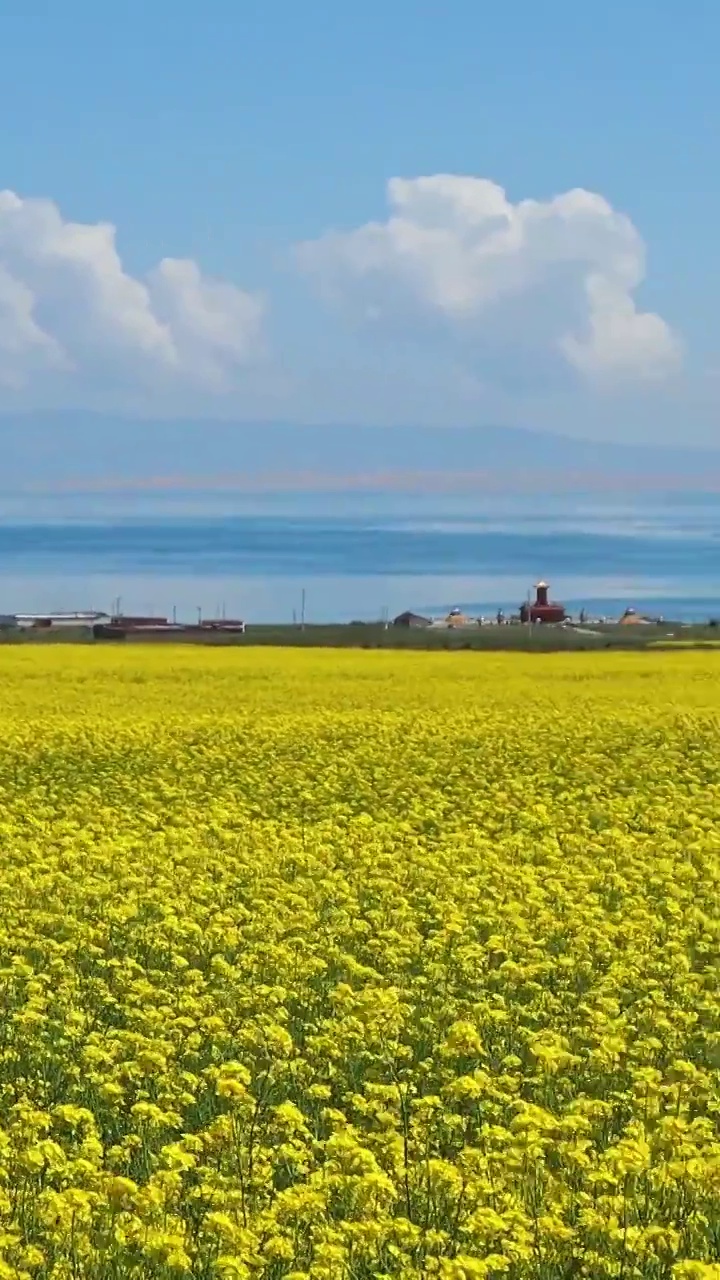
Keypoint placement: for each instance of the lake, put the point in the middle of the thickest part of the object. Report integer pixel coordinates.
(358, 557)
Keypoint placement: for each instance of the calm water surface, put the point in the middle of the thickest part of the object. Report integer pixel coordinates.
(255, 560)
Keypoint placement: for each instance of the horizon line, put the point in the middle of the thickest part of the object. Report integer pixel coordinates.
(535, 480)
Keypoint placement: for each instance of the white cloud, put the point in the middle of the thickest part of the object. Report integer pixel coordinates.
(553, 277)
(210, 318)
(68, 307)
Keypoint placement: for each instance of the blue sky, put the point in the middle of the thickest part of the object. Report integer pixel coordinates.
(225, 141)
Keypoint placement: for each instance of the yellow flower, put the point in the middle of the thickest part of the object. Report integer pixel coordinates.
(341, 959)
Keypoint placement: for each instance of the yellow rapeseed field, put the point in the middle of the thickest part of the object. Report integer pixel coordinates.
(359, 965)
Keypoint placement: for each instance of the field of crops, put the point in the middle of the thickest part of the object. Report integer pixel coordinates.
(359, 965)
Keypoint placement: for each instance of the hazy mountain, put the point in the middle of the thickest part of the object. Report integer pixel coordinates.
(54, 449)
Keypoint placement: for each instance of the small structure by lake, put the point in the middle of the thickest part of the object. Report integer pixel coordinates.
(456, 618)
(542, 609)
(55, 621)
(410, 619)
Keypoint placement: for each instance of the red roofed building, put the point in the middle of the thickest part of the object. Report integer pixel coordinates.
(542, 609)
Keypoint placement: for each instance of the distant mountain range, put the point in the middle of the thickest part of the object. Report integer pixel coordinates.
(84, 450)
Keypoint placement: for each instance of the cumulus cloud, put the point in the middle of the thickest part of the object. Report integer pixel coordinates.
(68, 307)
(551, 277)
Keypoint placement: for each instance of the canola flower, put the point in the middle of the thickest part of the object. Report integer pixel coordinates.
(335, 966)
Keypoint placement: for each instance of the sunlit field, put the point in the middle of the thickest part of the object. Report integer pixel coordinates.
(353, 965)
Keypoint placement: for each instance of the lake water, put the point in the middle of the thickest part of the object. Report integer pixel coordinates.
(254, 559)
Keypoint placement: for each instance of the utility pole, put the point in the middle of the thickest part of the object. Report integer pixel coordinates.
(302, 610)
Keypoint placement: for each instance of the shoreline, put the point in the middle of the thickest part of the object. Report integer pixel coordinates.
(510, 637)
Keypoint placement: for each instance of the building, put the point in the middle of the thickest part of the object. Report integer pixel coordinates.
(199, 631)
(408, 619)
(107, 631)
(456, 618)
(542, 609)
(631, 618)
(137, 620)
(80, 618)
(235, 625)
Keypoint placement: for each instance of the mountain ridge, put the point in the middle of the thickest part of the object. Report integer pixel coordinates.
(62, 448)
